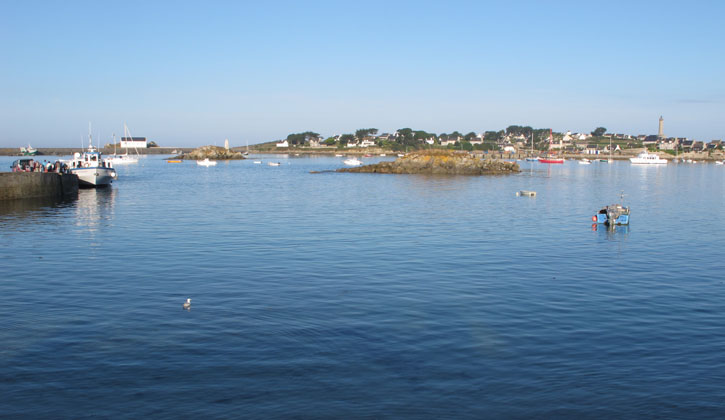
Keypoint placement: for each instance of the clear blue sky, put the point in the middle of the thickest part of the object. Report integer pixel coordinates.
(193, 73)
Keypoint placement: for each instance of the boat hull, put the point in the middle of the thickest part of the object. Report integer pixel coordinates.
(551, 160)
(94, 177)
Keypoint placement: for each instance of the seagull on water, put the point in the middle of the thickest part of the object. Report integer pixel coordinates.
(187, 304)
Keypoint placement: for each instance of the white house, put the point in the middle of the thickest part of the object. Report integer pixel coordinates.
(131, 142)
(367, 143)
(509, 149)
(447, 142)
(430, 140)
(283, 143)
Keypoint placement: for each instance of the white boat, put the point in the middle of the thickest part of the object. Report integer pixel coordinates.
(400, 155)
(719, 162)
(273, 163)
(257, 162)
(382, 154)
(338, 155)
(646, 158)
(206, 162)
(585, 161)
(123, 159)
(352, 162)
(90, 167)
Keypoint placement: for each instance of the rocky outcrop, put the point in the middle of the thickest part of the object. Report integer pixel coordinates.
(439, 162)
(212, 153)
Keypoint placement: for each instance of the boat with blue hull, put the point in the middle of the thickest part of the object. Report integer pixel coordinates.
(614, 214)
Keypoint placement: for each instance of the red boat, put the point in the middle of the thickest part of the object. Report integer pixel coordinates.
(551, 159)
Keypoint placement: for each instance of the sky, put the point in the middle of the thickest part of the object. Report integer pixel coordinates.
(185, 73)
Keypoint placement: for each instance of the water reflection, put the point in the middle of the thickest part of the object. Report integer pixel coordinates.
(32, 208)
(612, 233)
(93, 206)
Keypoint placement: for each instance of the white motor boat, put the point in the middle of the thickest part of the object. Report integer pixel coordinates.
(257, 162)
(206, 162)
(719, 162)
(352, 162)
(90, 167)
(648, 159)
(585, 161)
(273, 163)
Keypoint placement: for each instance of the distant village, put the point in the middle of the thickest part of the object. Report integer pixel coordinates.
(514, 139)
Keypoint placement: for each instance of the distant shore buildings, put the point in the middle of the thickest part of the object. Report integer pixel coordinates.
(134, 142)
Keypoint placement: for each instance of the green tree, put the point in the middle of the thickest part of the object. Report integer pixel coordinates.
(364, 132)
(346, 138)
(599, 131)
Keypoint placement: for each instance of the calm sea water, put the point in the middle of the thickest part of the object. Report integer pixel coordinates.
(363, 295)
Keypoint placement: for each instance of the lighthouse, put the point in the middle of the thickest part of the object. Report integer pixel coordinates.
(661, 132)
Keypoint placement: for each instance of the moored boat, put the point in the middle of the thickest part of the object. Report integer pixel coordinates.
(90, 167)
(352, 162)
(28, 151)
(614, 214)
(550, 158)
(646, 158)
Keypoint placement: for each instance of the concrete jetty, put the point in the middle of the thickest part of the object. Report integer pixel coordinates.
(15, 185)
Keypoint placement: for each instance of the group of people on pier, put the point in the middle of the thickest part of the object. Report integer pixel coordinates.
(30, 165)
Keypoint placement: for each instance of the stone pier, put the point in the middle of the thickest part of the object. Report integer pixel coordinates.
(15, 185)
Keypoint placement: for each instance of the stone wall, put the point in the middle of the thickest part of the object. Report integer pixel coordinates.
(14, 185)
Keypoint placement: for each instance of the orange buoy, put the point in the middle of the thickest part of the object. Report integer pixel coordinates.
(594, 218)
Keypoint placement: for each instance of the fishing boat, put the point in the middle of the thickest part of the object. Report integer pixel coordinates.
(28, 151)
(352, 162)
(90, 167)
(645, 158)
(206, 162)
(614, 214)
(550, 158)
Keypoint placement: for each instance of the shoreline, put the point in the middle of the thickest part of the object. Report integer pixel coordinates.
(67, 151)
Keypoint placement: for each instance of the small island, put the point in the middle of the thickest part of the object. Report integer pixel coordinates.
(439, 162)
(211, 153)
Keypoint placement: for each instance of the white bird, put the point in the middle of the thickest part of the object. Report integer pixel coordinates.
(187, 304)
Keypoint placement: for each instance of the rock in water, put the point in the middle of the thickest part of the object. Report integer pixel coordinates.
(211, 153)
(439, 162)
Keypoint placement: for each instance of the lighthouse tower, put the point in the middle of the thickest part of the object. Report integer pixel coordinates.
(661, 133)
